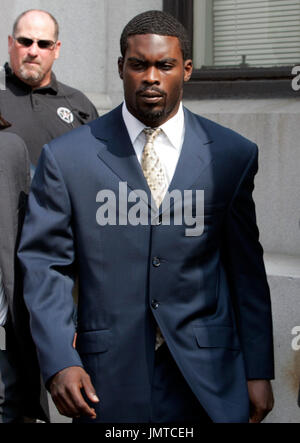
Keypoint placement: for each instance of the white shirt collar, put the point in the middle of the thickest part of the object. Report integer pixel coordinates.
(173, 128)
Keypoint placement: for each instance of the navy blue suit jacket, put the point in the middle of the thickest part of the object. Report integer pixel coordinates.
(208, 293)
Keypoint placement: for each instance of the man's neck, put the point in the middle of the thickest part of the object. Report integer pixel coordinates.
(151, 123)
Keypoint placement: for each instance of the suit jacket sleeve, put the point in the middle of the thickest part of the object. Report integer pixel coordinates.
(46, 253)
(249, 286)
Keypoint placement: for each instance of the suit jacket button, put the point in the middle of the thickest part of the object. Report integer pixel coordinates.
(154, 304)
(156, 262)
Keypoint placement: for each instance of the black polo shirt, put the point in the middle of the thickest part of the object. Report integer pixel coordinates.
(39, 115)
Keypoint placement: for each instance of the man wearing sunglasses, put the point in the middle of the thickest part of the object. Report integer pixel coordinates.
(39, 107)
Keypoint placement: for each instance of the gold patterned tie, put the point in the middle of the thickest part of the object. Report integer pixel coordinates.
(152, 167)
(154, 173)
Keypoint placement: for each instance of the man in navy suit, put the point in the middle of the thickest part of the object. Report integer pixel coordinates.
(174, 315)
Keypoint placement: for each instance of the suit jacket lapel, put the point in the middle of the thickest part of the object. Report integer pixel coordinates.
(194, 158)
(118, 153)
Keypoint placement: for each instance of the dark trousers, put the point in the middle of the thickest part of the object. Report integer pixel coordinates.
(172, 399)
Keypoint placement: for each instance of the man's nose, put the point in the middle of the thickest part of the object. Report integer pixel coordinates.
(152, 75)
(33, 50)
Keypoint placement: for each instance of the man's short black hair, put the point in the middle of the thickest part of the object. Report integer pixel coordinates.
(156, 22)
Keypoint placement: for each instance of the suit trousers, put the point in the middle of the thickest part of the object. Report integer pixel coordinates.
(172, 399)
(10, 390)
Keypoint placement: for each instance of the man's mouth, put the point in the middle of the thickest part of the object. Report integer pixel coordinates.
(30, 62)
(151, 96)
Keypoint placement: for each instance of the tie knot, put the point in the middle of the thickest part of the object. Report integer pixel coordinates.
(151, 134)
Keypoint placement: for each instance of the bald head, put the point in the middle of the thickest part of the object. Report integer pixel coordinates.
(36, 14)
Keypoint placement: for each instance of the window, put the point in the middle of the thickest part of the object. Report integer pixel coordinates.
(243, 48)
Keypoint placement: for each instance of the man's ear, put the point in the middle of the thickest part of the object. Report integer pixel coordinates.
(120, 66)
(10, 42)
(57, 49)
(188, 69)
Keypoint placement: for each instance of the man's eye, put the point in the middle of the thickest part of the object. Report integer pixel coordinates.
(137, 65)
(166, 66)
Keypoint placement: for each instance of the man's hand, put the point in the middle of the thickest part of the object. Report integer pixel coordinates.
(65, 389)
(261, 399)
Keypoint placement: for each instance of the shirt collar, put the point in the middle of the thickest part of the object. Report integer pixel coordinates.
(172, 128)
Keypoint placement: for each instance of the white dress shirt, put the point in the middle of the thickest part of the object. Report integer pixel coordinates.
(3, 303)
(168, 144)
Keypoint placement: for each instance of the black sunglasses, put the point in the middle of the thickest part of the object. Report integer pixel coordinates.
(42, 44)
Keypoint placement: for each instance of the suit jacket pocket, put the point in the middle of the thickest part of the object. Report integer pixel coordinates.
(216, 337)
(93, 342)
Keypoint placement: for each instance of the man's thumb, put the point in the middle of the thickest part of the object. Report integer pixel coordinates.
(89, 389)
